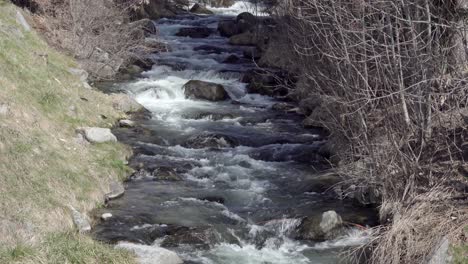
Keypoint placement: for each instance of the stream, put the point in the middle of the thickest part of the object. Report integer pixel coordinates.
(219, 182)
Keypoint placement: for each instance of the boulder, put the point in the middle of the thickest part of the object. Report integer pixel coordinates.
(194, 32)
(144, 63)
(196, 89)
(97, 134)
(199, 237)
(116, 190)
(151, 254)
(319, 228)
(244, 39)
(199, 9)
(246, 21)
(125, 103)
(441, 254)
(209, 140)
(80, 221)
(247, 17)
(228, 28)
(166, 174)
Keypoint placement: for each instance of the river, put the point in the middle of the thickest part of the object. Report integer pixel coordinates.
(219, 182)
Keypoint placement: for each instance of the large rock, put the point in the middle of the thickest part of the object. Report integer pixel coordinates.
(246, 21)
(80, 221)
(441, 255)
(151, 254)
(116, 190)
(328, 226)
(194, 32)
(196, 89)
(210, 140)
(248, 38)
(228, 28)
(247, 17)
(199, 9)
(97, 134)
(200, 237)
(125, 103)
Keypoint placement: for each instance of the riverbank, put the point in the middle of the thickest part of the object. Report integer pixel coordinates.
(45, 166)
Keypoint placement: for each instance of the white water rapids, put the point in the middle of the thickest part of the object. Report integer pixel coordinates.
(260, 180)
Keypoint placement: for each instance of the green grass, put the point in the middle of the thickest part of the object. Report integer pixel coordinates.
(67, 247)
(43, 169)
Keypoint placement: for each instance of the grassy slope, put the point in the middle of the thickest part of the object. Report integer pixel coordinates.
(42, 168)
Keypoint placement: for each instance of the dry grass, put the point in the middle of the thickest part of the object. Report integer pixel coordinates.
(42, 168)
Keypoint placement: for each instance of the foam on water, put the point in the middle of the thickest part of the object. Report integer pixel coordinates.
(354, 237)
(286, 252)
(239, 7)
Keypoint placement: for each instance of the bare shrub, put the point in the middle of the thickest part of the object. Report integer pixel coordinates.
(391, 76)
(98, 33)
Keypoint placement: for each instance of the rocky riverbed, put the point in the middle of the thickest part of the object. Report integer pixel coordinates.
(225, 173)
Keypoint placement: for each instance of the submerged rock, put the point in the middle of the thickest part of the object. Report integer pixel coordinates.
(199, 237)
(209, 140)
(194, 32)
(328, 226)
(196, 89)
(166, 174)
(97, 134)
(211, 49)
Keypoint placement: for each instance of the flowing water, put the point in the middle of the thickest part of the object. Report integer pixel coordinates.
(236, 172)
